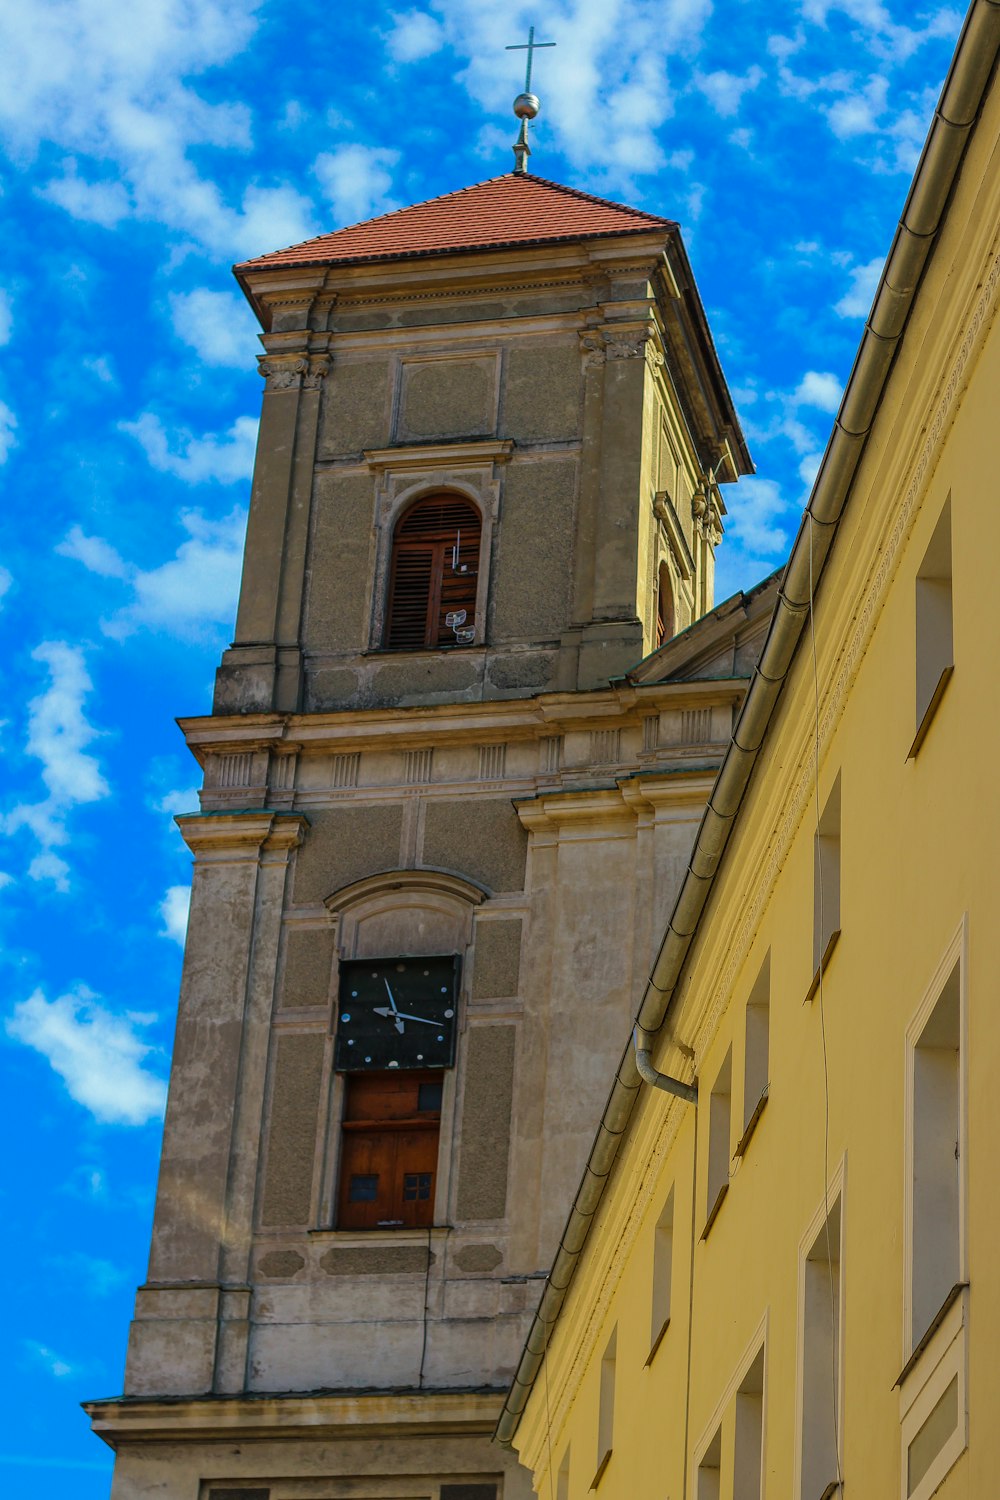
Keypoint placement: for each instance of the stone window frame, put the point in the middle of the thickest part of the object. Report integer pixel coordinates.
(453, 902)
(470, 471)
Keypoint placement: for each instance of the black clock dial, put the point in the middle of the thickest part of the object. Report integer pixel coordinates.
(396, 1013)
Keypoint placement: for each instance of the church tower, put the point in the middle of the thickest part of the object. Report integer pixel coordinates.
(459, 748)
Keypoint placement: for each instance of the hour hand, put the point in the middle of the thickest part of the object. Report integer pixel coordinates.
(393, 1015)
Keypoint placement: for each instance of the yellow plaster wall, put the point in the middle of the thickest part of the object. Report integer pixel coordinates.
(919, 842)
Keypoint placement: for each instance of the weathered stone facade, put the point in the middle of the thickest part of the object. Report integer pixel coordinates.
(527, 802)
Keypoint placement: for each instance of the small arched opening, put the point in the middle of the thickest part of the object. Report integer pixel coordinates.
(434, 575)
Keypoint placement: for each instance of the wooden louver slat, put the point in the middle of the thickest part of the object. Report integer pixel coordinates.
(435, 559)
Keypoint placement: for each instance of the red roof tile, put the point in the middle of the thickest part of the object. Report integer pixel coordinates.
(515, 209)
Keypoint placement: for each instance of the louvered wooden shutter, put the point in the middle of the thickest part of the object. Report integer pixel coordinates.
(435, 560)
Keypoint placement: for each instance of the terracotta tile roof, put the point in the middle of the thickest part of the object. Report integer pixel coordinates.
(514, 209)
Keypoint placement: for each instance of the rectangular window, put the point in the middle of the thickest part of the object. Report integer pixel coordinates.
(934, 644)
(606, 1408)
(826, 880)
(663, 1256)
(935, 1150)
(710, 1470)
(821, 1360)
(756, 1054)
(749, 1451)
(719, 1112)
(389, 1148)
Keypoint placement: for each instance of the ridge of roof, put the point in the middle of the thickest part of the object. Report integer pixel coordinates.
(490, 214)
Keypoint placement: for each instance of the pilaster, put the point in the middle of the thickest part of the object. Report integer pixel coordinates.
(200, 1241)
(263, 668)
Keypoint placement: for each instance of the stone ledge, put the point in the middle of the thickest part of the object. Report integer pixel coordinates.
(289, 1416)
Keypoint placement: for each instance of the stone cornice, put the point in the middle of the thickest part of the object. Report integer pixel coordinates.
(289, 1417)
(242, 832)
(440, 455)
(551, 713)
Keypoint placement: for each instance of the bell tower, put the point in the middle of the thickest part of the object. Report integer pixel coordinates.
(458, 752)
(542, 356)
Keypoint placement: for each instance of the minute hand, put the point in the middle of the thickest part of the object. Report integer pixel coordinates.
(383, 1010)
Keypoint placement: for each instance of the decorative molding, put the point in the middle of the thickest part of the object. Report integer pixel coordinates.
(345, 769)
(418, 766)
(282, 372)
(234, 770)
(696, 726)
(605, 746)
(492, 761)
(552, 752)
(405, 880)
(287, 372)
(476, 454)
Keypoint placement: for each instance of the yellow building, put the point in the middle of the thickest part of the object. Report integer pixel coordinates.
(789, 1287)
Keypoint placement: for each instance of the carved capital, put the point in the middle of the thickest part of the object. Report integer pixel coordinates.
(282, 372)
(319, 367)
(629, 347)
(592, 349)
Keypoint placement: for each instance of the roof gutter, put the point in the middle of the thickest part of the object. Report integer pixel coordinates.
(961, 98)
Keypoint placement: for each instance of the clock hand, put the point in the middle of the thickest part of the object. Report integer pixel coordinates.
(405, 1017)
(389, 993)
(392, 1015)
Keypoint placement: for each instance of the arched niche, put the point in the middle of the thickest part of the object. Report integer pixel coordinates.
(405, 912)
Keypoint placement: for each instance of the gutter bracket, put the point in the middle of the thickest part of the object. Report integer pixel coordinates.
(649, 1074)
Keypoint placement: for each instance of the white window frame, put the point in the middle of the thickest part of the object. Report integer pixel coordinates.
(836, 1189)
(940, 1353)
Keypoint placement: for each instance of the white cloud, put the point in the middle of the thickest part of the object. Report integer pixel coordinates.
(6, 582)
(724, 91)
(96, 555)
(104, 203)
(109, 89)
(857, 301)
(52, 867)
(414, 35)
(809, 468)
(859, 112)
(8, 428)
(6, 317)
(52, 1362)
(100, 1057)
(606, 88)
(184, 800)
(58, 734)
(819, 389)
(197, 587)
(200, 584)
(357, 180)
(5, 880)
(754, 517)
(224, 459)
(174, 913)
(219, 326)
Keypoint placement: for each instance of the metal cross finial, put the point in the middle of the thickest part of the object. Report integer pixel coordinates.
(526, 104)
(530, 46)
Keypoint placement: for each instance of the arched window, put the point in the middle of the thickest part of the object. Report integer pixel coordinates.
(664, 607)
(434, 574)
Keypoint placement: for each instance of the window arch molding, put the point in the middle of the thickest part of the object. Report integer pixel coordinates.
(399, 493)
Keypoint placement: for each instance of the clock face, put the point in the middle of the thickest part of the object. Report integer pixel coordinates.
(396, 1013)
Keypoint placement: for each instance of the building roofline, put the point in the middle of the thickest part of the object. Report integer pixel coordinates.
(966, 84)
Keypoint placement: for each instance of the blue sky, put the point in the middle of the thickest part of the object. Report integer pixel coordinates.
(147, 144)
